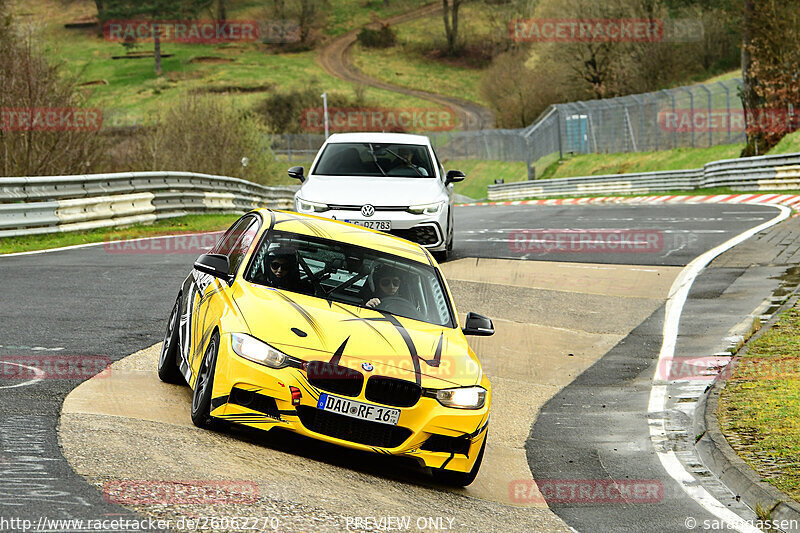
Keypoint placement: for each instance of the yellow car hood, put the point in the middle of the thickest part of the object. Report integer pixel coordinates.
(372, 342)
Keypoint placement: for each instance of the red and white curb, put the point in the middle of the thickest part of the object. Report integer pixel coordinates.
(791, 200)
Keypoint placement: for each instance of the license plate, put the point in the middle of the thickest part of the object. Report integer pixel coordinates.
(362, 411)
(380, 225)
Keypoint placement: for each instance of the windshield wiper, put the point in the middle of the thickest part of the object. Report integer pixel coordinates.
(374, 158)
(409, 163)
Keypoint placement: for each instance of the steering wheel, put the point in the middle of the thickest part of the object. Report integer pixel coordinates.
(399, 306)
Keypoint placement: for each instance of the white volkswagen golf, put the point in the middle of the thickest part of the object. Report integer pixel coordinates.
(390, 182)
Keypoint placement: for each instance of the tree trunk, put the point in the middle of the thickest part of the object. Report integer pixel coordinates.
(450, 14)
(750, 100)
(157, 49)
(222, 9)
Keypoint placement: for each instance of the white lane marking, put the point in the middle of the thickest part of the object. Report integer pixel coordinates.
(103, 243)
(38, 375)
(658, 394)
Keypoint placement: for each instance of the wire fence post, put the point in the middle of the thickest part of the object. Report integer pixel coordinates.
(728, 115)
(708, 118)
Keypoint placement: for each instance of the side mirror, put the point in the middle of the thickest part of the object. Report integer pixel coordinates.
(478, 325)
(454, 176)
(216, 265)
(297, 173)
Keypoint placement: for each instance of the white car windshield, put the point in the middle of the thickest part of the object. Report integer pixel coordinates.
(375, 159)
(350, 274)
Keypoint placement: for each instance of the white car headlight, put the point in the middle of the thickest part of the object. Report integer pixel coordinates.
(426, 209)
(462, 398)
(304, 206)
(259, 352)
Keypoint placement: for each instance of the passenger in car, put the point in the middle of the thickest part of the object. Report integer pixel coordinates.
(383, 282)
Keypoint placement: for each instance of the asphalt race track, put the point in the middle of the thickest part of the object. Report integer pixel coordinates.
(103, 303)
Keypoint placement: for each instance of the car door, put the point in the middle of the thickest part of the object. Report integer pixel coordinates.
(210, 296)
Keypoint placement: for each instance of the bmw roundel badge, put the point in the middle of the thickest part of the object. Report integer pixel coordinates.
(367, 367)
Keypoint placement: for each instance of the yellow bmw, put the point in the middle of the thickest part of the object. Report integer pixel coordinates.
(336, 332)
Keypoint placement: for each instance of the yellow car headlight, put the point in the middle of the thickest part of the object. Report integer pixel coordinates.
(259, 352)
(462, 398)
(426, 209)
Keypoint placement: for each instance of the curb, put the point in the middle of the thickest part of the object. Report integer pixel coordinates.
(721, 459)
(785, 199)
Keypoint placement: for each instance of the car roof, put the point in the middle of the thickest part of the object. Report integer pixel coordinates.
(347, 233)
(394, 138)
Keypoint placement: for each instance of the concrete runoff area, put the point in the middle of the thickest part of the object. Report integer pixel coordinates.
(553, 320)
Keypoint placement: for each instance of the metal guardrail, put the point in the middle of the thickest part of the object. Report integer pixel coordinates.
(52, 204)
(761, 173)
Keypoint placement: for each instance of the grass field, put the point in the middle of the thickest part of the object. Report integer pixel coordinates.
(680, 158)
(787, 145)
(758, 406)
(186, 224)
(481, 174)
(128, 91)
(406, 66)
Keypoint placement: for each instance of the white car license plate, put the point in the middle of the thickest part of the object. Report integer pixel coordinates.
(362, 411)
(380, 225)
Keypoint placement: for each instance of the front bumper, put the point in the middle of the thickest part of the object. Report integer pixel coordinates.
(257, 396)
(429, 231)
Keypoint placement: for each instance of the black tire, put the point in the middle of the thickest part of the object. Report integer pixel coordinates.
(168, 370)
(460, 479)
(441, 256)
(203, 387)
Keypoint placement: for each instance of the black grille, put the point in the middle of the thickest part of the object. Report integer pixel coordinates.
(425, 235)
(352, 429)
(443, 443)
(335, 378)
(391, 391)
(256, 402)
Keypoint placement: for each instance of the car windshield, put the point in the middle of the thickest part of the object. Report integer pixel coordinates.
(352, 275)
(374, 159)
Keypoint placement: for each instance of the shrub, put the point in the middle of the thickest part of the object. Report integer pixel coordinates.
(385, 37)
(208, 135)
(283, 112)
(29, 82)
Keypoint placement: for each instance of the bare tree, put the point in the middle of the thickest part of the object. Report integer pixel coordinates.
(29, 85)
(450, 15)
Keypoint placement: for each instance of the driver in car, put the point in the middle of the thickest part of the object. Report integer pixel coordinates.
(283, 271)
(406, 158)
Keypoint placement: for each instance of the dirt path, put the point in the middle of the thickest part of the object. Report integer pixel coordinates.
(335, 60)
